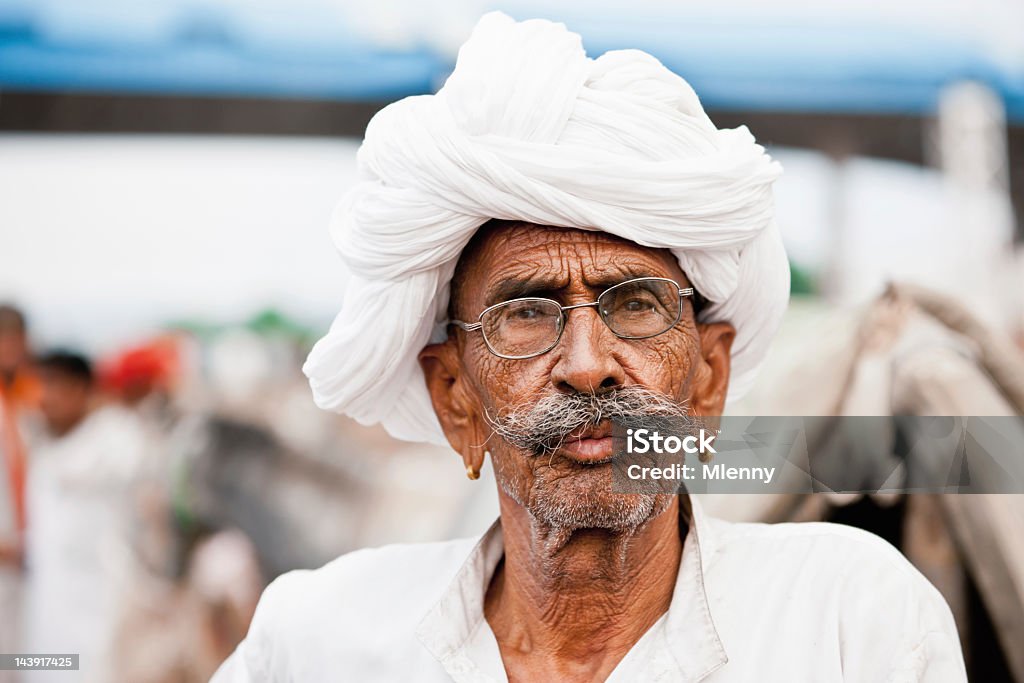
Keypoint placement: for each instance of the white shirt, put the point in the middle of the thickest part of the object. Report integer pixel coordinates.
(79, 510)
(767, 602)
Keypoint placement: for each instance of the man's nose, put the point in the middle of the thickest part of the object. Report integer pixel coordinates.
(586, 364)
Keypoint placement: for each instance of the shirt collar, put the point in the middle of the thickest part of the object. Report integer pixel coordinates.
(683, 645)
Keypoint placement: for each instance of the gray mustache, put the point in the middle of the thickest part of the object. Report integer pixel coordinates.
(541, 427)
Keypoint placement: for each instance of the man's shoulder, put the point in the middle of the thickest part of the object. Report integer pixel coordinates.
(365, 606)
(848, 592)
(390, 583)
(834, 566)
(817, 543)
(395, 555)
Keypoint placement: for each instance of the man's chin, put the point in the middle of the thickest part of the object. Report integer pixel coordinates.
(572, 509)
(571, 493)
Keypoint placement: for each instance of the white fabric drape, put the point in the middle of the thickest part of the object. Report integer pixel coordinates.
(529, 128)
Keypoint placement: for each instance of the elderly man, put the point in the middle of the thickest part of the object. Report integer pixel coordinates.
(471, 320)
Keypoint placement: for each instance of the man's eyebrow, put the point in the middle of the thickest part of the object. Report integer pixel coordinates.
(515, 288)
(605, 280)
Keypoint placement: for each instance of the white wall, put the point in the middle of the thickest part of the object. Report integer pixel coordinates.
(101, 237)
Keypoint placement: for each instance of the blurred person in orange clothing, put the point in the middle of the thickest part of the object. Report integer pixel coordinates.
(19, 399)
(19, 395)
(16, 378)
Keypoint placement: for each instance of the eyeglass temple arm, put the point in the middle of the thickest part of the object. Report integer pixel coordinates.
(686, 292)
(468, 327)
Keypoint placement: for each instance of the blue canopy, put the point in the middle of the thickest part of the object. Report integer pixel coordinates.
(312, 50)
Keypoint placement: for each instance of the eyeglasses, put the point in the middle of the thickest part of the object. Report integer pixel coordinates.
(528, 327)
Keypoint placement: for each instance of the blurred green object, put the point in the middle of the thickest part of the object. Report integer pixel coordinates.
(271, 321)
(800, 281)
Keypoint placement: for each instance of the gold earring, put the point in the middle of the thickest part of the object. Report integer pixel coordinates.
(472, 472)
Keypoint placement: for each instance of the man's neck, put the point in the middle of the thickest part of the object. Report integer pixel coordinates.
(570, 605)
(62, 429)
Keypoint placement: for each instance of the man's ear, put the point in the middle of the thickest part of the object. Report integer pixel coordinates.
(711, 381)
(455, 403)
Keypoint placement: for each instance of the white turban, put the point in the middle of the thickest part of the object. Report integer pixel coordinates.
(529, 128)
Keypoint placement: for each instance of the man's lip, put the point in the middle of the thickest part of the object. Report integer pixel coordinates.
(599, 431)
(589, 450)
(589, 443)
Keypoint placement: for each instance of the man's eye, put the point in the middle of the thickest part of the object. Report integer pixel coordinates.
(637, 306)
(528, 313)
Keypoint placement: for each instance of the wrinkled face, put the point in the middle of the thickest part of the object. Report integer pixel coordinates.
(475, 391)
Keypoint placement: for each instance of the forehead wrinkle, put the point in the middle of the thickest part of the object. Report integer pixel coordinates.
(599, 259)
(589, 277)
(556, 258)
(613, 271)
(508, 281)
(588, 256)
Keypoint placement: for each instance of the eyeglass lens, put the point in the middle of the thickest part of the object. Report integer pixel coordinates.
(523, 327)
(640, 308)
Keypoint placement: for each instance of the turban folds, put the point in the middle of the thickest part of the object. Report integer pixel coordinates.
(528, 128)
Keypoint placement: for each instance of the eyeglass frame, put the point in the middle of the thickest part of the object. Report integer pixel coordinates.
(563, 316)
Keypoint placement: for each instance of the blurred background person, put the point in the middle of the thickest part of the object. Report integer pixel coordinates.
(19, 398)
(84, 460)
